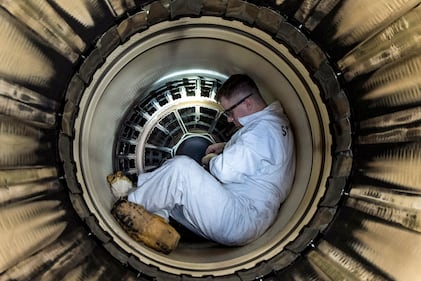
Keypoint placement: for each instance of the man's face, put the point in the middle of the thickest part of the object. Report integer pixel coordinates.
(239, 110)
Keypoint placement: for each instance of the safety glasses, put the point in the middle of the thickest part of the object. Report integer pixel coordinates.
(228, 112)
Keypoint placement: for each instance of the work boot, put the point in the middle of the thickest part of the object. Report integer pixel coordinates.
(120, 184)
(145, 227)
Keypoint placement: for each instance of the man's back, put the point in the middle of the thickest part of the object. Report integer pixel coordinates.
(257, 167)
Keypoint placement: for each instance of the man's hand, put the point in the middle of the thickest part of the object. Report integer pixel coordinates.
(206, 159)
(216, 148)
(212, 151)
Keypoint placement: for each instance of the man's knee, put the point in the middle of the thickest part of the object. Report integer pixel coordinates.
(183, 161)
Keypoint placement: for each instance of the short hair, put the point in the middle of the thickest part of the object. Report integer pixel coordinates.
(235, 84)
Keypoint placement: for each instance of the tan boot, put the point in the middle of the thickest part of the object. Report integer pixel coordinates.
(145, 227)
(120, 184)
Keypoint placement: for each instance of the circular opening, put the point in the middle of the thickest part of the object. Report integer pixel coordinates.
(181, 117)
(194, 146)
(187, 49)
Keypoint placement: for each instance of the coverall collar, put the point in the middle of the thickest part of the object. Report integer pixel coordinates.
(275, 106)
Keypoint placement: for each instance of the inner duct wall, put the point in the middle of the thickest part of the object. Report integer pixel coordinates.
(373, 46)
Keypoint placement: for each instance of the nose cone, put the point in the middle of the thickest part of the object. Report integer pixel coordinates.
(194, 147)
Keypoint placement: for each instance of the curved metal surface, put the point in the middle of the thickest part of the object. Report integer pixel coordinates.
(169, 49)
(363, 226)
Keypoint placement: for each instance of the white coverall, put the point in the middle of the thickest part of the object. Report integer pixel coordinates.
(239, 199)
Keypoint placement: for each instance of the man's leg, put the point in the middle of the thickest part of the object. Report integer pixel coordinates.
(181, 181)
(178, 214)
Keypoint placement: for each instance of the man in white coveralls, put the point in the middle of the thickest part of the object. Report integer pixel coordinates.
(249, 176)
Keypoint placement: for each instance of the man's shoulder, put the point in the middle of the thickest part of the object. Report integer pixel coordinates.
(272, 122)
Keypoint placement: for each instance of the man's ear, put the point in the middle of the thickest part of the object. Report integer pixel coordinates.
(249, 103)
